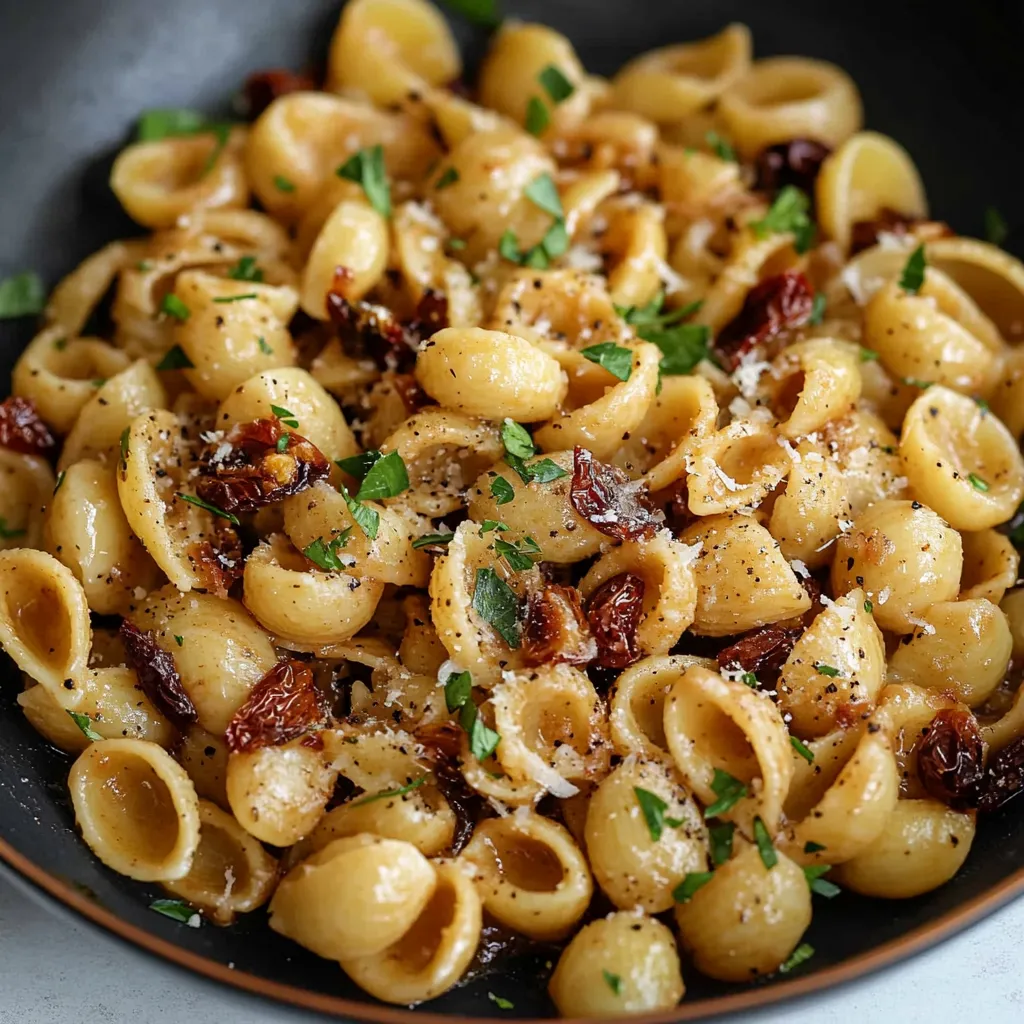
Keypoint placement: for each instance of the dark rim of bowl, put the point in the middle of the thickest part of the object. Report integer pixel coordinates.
(889, 953)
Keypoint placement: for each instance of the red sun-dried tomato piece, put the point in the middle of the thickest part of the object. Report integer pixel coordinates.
(614, 611)
(22, 428)
(408, 389)
(263, 87)
(950, 759)
(157, 675)
(442, 747)
(606, 497)
(284, 704)
(253, 467)
(796, 162)
(1003, 778)
(778, 303)
(865, 233)
(556, 629)
(219, 560)
(762, 651)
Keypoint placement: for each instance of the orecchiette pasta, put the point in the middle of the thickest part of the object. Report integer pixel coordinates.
(559, 494)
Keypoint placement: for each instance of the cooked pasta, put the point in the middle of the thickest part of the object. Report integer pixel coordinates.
(557, 496)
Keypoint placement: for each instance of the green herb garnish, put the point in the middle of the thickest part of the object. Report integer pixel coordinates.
(729, 791)
(458, 688)
(789, 213)
(654, 808)
(496, 603)
(556, 85)
(22, 295)
(720, 838)
(6, 533)
(769, 857)
(613, 981)
(366, 168)
(537, 116)
(521, 557)
(501, 491)
(84, 722)
(433, 538)
(224, 299)
(802, 749)
(721, 146)
(483, 741)
(173, 306)
(289, 419)
(175, 359)
(479, 12)
(388, 793)
(616, 359)
(690, 884)
(386, 478)
(543, 193)
(282, 184)
(450, 176)
(246, 269)
(60, 480)
(325, 553)
(996, 229)
(212, 509)
(499, 1002)
(177, 910)
(819, 885)
(913, 272)
(802, 953)
(817, 309)
(977, 482)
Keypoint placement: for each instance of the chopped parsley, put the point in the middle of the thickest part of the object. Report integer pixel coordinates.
(869, 606)
(720, 840)
(913, 382)
(519, 446)
(175, 359)
(179, 640)
(282, 442)
(819, 885)
(264, 347)
(177, 910)
(499, 1001)
(769, 858)
(516, 439)
(811, 847)
(366, 168)
(501, 491)
(359, 465)
(155, 125)
(479, 12)
(913, 272)
(457, 690)
(616, 359)
(6, 533)
(496, 603)
(282, 184)
(246, 269)
(223, 299)
(552, 245)
(124, 446)
(450, 176)
(537, 116)
(983, 405)
(388, 793)
(654, 808)
(996, 229)
(84, 722)
(483, 741)
(387, 477)
(721, 147)
(977, 482)
(802, 749)
(817, 309)
(749, 679)
(173, 306)
(789, 213)
(22, 295)
(521, 557)
(325, 553)
(368, 519)
(690, 884)
(289, 419)
(800, 955)
(826, 670)
(613, 981)
(543, 193)
(490, 525)
(433, 538)
(212, 509)
(868, 355)
(60, 480)
(556, 85)
(729, 791)
(682, 346)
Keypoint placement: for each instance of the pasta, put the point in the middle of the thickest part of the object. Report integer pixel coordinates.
(558, 496)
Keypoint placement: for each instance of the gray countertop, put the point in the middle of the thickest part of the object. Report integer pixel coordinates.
(55, 971)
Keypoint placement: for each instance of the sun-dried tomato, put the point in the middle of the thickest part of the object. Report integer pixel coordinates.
(157, 675)
(866, 233)
(950, 758)
(762, 651)
(796, 162)
(219, 561)
(556, 629)
(284, 704)
(252, 467)
(431, 314)
(409, 391)
(606, 497)
(263, 87)
(1003, 778)
(778, 303)
(441, 744)
(614, 611)
(22, 428)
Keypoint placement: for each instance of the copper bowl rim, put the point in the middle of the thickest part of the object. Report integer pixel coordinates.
(885, 955)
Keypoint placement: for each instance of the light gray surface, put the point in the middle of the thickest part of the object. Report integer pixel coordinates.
(56, 972)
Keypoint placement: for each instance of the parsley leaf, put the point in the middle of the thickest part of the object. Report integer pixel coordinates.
(264, 347)
(479, 12)
(720, 839)
(651, 315)
(496, 603)
(224, 299)
(869, 606)
(500, 1003)
(282, 184)
(543, 193)
(802, 749)
(483, 741)
(386, 478)
(359, 465)
(246, 269)
(388, 793)
(516, 439)
(177, 910)
(22, 295)
(749, 679)
(521, 557)
(810, 847)
(867, 355)
(325, 553)
(817, 309)
(457, 690)
(654, 808)
(175, 359)
(977, 482)
(366, 168)
(282, 442)
(508, 247)
(802, 953)
(6, 533)
(690, 884)
(996, 228)
(616, 359)
(822, 886)
(826, 670)
(84, 722)
(155, 125)
(124, 446)
(613, 981)
(173, 306)
(289, 419)
(556, 85)
(179, 640)
(492, 524)
(501, 491)
(433, 538)
(769, 858)
(542, 472)
(537, 116)
(60, 480)
(682, 347)
(912, 277)
(450, 176)
(722, 147)
(212, 509)
(729, 791)
(788, 214)
(368, 519)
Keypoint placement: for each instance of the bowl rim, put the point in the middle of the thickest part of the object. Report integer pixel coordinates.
(886, 955)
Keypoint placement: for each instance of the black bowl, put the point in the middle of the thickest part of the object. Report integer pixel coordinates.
(943, 81)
